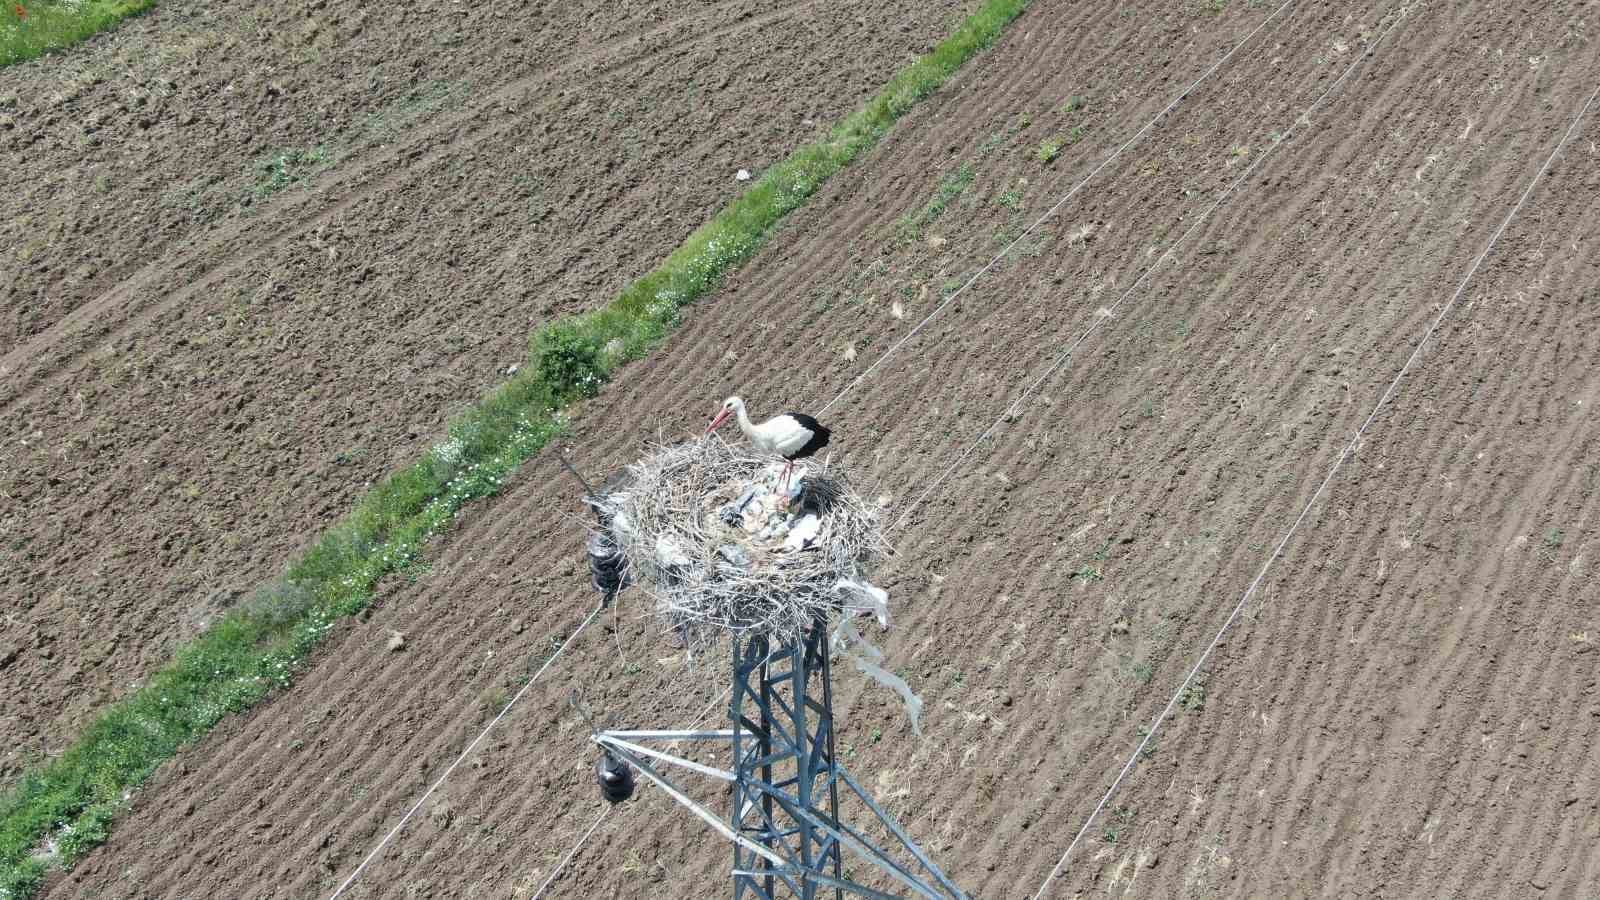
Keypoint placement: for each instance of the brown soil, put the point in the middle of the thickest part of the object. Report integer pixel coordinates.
(1405, 708)
(198, 378)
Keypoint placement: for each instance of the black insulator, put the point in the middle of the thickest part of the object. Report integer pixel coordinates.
(608, 568)
(614, 777)
(596, 501)
(601, 516)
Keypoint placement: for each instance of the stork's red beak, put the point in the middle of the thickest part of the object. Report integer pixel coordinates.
(721, 417)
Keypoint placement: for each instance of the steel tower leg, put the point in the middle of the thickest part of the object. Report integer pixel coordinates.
(783, 737)
(785, 783)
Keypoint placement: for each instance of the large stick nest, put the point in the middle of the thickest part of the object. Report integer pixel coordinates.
(708, 530)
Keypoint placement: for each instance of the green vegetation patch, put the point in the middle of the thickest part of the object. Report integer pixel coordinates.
(911, 225)
(276, 171)
(29, 30)
(65, 806)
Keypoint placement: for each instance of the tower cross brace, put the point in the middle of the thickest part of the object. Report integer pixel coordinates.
(785, 782)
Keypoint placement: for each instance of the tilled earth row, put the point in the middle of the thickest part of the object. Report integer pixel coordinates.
(262, 254)
(1404, 706)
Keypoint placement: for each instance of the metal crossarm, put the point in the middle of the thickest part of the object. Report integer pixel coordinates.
(785, 780)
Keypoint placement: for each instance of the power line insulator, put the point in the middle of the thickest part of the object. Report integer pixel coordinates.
(607, 566)
(614, 777)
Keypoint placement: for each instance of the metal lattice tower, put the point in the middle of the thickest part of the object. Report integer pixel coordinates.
(781, 772)
(785, 782)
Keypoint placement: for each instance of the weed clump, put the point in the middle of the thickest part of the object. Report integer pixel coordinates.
(910, 226)
(279, 170)
(570, 362)
(279, 604)
(1193, 698)
(29, 29)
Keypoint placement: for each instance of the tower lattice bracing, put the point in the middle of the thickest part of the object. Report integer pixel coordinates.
(786, 783)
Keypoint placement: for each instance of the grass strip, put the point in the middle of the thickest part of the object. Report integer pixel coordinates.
(31, 28)
(63, 807)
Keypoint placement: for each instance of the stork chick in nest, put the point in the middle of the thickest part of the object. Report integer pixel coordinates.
(792, 435)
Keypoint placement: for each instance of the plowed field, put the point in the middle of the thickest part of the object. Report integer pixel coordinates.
(257, 255)
(1407, 704)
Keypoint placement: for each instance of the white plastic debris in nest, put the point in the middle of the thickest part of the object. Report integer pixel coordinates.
(725, 545)
(803, 533)
(670, 555)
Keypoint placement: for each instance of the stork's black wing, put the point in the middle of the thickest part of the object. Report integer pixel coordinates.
(819, 435)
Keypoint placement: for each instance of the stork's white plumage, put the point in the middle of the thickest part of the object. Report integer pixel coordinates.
(792, 435)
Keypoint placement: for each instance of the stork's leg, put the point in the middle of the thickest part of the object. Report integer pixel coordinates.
(788, 466)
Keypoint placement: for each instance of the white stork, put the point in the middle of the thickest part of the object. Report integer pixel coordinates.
(792, 435)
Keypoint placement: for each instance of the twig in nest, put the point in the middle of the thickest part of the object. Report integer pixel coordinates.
(708, 532)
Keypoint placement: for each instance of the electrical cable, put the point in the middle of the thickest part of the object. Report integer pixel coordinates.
(1052, 210)
(574, 849)
(1011, 409)
(856, 381)
(582, 839)
(1349, 450)
(429, 792)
